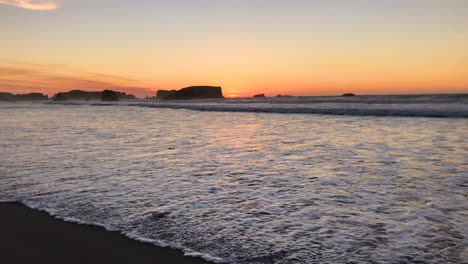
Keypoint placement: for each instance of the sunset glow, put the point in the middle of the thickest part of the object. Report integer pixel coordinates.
(32, 4)
(247, 47)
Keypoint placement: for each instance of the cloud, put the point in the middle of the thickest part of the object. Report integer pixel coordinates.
(32, 4)
(18, 77)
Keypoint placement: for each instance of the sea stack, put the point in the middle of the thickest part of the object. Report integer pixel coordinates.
(192, 92)
(109, 96)
(160, 94)
(259, 96)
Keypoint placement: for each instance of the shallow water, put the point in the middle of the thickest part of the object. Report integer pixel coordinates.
(244, 187)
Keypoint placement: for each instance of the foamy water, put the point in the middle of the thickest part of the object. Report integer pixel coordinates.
(246, 187)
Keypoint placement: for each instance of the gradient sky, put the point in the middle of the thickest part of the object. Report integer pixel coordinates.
(298, 47)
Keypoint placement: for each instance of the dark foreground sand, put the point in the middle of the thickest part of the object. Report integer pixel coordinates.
(31, 236)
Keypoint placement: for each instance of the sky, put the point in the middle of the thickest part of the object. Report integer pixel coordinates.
(294, 47)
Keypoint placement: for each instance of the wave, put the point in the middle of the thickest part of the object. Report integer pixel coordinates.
(442, 106)
(367, 99)
(352, 111)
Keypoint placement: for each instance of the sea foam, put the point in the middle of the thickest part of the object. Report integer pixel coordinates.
(245, 187)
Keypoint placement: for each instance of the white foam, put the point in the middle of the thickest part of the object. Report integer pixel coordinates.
(242, 187)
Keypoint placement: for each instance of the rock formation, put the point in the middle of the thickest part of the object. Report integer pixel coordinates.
(160, 94)
(8, 97)
(84, 95)
(348, 94)
(59, 97)
(259, 96)
(192, 92)
(109, 95)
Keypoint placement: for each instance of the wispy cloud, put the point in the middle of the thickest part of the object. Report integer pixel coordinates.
(20, 77)
(32, 4)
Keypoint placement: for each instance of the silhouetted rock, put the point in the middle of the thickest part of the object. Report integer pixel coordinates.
(109, 95)
(32, 97)
(59, 97)
(160, 94)
(194, 92)
(348, 94)
(259, 96)
(7, 97)
(84, 95)
(280, 95)
(22, 97)
(77, 95)
(125, 96)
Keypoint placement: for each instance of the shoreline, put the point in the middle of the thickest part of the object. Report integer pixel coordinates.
(33, 236)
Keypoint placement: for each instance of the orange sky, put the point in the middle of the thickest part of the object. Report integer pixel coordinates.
(247, 47)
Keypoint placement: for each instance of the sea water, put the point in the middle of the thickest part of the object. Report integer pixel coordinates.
(282, 180)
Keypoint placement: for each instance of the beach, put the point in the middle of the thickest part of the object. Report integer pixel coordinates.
(32, 236)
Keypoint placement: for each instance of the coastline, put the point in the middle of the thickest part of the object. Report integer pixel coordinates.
(33, 236)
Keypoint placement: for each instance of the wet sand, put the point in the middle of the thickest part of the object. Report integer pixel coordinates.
(31, 236)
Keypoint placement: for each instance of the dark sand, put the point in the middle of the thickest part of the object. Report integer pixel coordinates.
(31, 236)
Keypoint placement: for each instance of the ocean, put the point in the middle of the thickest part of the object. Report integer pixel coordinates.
(366, 179)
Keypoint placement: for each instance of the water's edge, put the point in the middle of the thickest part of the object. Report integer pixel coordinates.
(184, 251)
